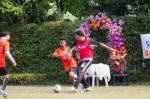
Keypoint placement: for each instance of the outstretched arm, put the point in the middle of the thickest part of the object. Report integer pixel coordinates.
(8, 54)
(55, 55)
(93, 42)
(105, 46)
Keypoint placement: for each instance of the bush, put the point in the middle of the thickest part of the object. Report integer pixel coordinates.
(26, 79)
(34, 78)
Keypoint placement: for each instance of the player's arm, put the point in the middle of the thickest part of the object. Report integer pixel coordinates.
(74, 50)
(70, 52)
(73, 45)
(95, 43)
(105, 46)
(55, 54)
(8, 54)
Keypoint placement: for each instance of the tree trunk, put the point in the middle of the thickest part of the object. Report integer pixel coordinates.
(21, 19)
(61, 15)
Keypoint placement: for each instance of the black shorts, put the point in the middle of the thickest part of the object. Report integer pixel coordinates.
(3, 71)
(84, 65)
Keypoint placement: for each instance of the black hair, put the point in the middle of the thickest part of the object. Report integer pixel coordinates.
(4, 33)
(62, 38)
(79, 32)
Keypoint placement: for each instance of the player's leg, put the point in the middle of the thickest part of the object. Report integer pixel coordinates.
(71, 77)
(83, 65)
(84, 83)
(73, 74)
(5, 76)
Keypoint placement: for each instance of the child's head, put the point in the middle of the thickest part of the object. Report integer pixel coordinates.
(62, 42)
(8, 35)
(79, 35)
(5, 34)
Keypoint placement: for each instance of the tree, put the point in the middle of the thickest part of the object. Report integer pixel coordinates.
(8, 8)
(24, 10)
(36, 10)
(81, 8)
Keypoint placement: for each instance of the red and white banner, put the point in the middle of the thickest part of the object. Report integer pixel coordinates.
(145, 39)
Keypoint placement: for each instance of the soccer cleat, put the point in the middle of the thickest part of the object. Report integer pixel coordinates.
(87, 89)
(73, 89)
(3, 93)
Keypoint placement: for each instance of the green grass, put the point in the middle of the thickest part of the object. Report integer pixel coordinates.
(101, 92)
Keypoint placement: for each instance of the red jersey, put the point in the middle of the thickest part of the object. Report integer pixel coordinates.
(4, 46)
(84, 49)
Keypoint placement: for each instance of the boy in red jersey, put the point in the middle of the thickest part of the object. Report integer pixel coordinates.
(4, 51)
(83, 45)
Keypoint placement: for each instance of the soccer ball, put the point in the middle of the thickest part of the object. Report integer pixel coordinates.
(57, 88)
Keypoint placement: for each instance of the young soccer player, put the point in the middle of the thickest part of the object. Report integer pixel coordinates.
(64, 53)
(4, 51)
(83, 45)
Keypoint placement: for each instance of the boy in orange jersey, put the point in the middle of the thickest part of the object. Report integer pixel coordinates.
(4, 51)
(64, 53)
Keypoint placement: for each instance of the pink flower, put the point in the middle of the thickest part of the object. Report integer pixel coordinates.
(101, 21)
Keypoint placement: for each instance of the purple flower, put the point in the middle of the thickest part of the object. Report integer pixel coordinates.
(99, 22)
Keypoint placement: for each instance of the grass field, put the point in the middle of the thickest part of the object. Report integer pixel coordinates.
(45, 92)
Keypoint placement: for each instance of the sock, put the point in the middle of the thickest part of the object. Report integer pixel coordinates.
(76, 83)
(78, 80)
(84, 83)
(5, 81)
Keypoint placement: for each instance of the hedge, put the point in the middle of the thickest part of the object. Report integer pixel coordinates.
(33, 44)
(34, 79)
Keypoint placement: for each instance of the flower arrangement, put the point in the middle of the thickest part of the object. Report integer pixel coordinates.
(118, 62)
(101, 21)
(114, 37)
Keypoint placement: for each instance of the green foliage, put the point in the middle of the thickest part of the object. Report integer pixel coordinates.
(28, 11)
(82, 8)
(8, 7)
(21, 11)
(36, 10)
(26, 79)
(140, 76)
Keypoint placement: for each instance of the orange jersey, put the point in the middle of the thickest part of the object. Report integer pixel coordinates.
(4, 46)
(66, 58)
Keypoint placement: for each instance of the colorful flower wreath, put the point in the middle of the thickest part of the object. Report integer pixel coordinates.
(114, 37)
